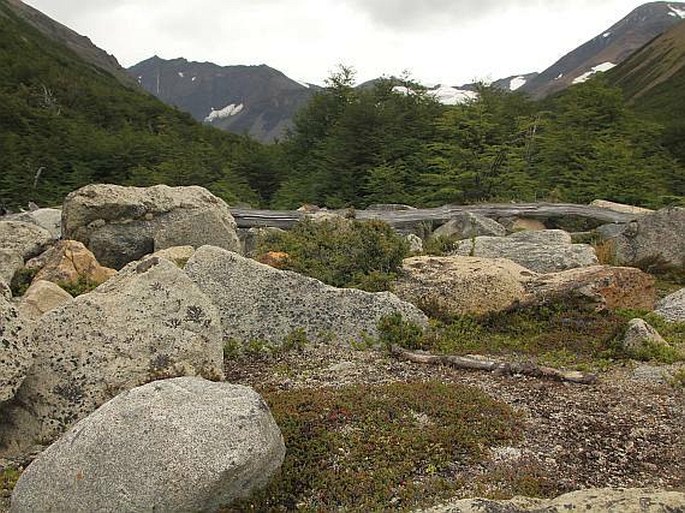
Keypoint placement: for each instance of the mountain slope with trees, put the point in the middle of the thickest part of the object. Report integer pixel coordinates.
(65, 123)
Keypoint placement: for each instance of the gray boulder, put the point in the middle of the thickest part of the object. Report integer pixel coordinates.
(654, 239)
(24, 239)
(592, 500)
(15, 354)
(641, 338)
(610, 231)
(10, 263)
(536, 250)
(672, 307)
(148, 322)
(175, 446)
(467, 225)
(122, 224)
(259, 302)
(415, 243)
(47, 218)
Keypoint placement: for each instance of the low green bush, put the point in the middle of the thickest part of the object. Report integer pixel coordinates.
(379, 448)
(342, 253)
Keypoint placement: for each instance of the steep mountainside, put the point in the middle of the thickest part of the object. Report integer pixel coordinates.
(77, 43)
(65, 123)
(653, 81)
(608, 49)
(257, 100)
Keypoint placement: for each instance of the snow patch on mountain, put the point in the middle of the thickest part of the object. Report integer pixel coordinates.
(181, 74)
(226, 112)
(193, 79)
(605, 66)
(676, 11)
(606, 34)
(453, 96)
(517, 83)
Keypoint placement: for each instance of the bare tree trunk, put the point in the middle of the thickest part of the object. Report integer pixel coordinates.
(501, 369)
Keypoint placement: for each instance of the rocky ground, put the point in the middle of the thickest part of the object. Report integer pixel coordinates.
(625, 431)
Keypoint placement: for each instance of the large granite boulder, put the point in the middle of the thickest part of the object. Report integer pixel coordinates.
(148, 322)
(656, 239)
(41, 297)
(460, 285)
(468, 225)
(592, 500)
(672, 307)
(25, 239)
(69, 261)
(542, 251)
(259, 302)
(10, 263)
(15, 353)
(175, 446)
(47, 218)
(610, 287)
(122, 224)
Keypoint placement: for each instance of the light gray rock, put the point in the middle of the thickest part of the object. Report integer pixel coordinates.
(259, 302)
(122, 224)
(175, 446)
(610, 231)
(47, 218)
(640, 337)
(537, 251)
(10, 263)
(415, 243)
(41, 297)
(672, 307)
(654, 239)
(15, 354)
(5, 291)
(468, 225)
(592, 500)
(24, 239)
(148, 322)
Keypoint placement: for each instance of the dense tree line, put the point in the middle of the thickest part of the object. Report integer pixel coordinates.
(65, 123)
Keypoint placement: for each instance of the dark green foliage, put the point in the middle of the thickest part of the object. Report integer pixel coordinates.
(378, 448)
(394, 330)
(82, 285)
(342, 253)
(565, 333)
(64, 124)
(21, 281)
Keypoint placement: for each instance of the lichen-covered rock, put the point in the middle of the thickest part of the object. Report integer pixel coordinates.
(15, 354)
(641, 338)
(468, 225)
(654, 239)
(177, 254)
(415, 243)
(538, 251)
(47, 218)
(148, 322)
(672, 307)
(10, 263)
(259, 302)
(460, 285)
(122, 224)
(592, 500)
(610, 287)
(41, 297)
(70, 261)
(24, 239)
(621, 207)
(173, 446)
(520, 224)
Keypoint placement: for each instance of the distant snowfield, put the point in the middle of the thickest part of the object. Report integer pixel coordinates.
(676, 11)
(517, 83)
(226, 112)
(444, 94)
(605, 66)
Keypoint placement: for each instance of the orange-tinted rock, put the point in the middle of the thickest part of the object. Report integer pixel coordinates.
(70, 261)
(276, 259)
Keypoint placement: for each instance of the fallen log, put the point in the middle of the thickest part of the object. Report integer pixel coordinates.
(409, 220)
(498, 368)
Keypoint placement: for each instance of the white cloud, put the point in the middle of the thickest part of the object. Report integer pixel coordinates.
(439, 41)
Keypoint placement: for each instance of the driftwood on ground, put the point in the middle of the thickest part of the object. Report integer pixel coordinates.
(506, 369)
(407, 220)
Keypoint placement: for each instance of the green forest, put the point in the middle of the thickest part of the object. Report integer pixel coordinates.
(65, 123)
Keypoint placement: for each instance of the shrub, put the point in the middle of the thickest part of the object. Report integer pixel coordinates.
(394, 330)
(82, 285)
(378, 448)
(342, 253)
(21, 281)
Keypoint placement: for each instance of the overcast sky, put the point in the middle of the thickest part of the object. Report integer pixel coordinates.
(437, 41)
